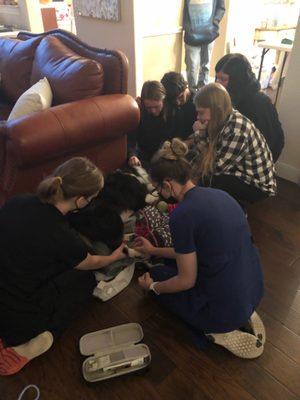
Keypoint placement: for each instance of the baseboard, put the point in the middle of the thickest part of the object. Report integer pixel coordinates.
(288, 172)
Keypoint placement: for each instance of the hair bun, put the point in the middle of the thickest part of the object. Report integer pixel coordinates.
(173, 150)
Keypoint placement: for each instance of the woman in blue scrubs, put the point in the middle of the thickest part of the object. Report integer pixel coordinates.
(217, 282)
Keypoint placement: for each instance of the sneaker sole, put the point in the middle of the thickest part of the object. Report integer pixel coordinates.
(241, 344)
(258, 327)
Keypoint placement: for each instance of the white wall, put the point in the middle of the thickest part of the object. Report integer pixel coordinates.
(31, 15)
(220, 44)
(161, 31)
(112, 35)
(288, 166)
(25, 16)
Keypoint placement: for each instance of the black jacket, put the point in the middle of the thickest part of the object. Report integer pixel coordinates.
(258, 107)
(201, 21)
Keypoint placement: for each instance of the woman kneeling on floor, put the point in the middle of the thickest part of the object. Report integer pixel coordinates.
(234, 155)
(44, 277)
(218, 282)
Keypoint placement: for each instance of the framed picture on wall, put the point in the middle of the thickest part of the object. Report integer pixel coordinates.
(108, 10)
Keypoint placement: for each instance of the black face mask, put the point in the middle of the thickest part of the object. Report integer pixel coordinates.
(169, 200)
(89, 206)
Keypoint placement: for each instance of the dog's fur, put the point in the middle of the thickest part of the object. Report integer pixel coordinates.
(101, 221)
(123, 191)
(98, 223)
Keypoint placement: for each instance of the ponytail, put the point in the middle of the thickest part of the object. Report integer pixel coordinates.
(50, 189)
(76, 177)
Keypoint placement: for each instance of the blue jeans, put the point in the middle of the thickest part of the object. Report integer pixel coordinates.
(197, 60)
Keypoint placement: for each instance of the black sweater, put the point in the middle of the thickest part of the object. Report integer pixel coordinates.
(182, 118)
(148, 137)
(258, 107)
(153, 131)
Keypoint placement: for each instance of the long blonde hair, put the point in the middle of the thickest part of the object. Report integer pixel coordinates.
(75, 177)
(216, 98)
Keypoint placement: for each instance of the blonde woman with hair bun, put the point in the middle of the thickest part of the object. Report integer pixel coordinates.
(45, 267)
(217, 283)
(234, 155)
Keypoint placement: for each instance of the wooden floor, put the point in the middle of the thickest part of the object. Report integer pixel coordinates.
(178, 369)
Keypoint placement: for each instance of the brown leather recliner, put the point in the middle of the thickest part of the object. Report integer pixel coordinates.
(91, 113)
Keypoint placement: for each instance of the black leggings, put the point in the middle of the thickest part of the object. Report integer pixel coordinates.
(52, 308)
(237, 188)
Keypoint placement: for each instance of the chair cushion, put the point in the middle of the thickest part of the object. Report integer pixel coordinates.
(16, 57)
(36, 98)
(71, 77)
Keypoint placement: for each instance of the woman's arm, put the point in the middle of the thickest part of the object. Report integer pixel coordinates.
(186, 278)
(164, 252)
(145, 247)
(92, 262)
(234, 143)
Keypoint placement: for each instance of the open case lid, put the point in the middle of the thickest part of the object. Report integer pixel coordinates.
(106, 340)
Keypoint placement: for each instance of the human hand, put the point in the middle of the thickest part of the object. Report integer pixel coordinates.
(143, 246)
(145, 281)
(198, 126)
(190, 141)
(134, 161)
(139, 101)
(118, 254)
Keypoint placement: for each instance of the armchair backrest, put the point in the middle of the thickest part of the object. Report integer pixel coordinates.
(114, 62)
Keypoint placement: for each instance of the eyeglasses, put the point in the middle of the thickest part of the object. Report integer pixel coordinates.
(155, 191)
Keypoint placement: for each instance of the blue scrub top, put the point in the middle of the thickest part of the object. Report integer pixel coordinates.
(229, 282)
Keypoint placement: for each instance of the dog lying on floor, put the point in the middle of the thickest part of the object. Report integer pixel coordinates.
(120, 209)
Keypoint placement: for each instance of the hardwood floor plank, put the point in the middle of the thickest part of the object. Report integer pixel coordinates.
(257, 381)
(178, 369)
(281, 337)
(281, 367)
(281, 310)
(198, 368)
(177, 386)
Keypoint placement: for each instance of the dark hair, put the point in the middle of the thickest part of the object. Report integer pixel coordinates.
(98, 224)
(242, 80)
(75, 177)
(169, 163)
(174, 84)
(122, 192)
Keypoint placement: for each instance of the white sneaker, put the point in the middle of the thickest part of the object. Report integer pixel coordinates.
(241, 344)
(258, 327)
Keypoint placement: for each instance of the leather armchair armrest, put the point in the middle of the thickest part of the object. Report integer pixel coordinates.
(66, 128)
(2, 143)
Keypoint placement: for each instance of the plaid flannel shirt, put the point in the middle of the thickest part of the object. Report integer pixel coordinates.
(243, 152)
